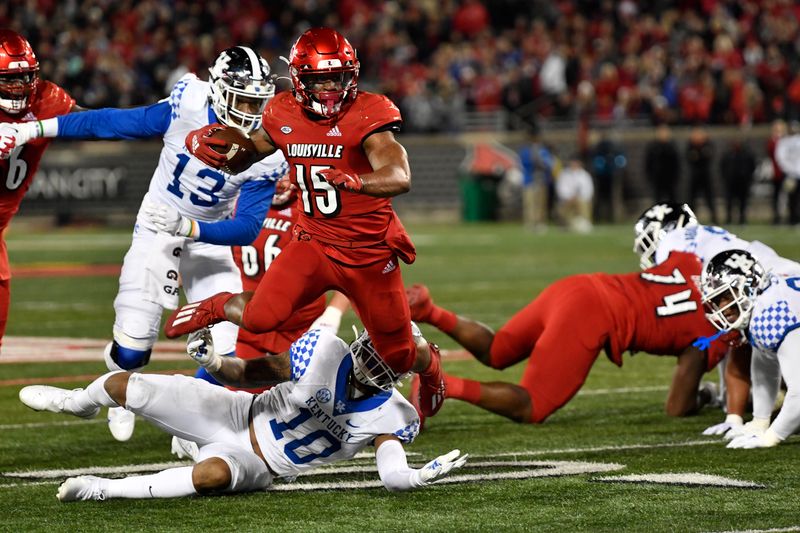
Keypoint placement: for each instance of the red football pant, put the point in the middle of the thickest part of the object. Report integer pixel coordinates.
(5, 298)
(302, 272)
(561, 333)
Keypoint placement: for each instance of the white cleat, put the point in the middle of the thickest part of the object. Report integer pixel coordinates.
(121, 423)
(82, 488)
(53, 399)
(184, 449)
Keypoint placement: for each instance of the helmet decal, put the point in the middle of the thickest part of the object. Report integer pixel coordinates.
(730, 283)
(241, 86)
(654, 223)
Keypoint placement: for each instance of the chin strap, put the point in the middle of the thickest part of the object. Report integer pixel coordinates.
(704, 342)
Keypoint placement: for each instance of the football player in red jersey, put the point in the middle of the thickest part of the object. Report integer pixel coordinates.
(23, 98)
(255, 259)
(347, 165)
(565, 328)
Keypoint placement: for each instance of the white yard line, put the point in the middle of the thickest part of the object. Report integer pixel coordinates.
(124, 469)
(36, 425)
(61, 349)
(94, 470)
(610, 447)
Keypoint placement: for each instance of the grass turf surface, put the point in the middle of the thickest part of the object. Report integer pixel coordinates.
(484, 271)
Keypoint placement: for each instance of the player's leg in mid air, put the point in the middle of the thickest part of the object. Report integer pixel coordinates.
(474, 336)
(379, 298)
(136, 326)
(215, 418)
(206, 270)
(294, 279)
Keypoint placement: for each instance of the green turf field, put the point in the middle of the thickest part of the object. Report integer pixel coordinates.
(484, 271)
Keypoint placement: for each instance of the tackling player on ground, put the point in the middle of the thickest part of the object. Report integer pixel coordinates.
(189, 210)
(562, 332)
(24, 98)
(329, 402)
(347, 165)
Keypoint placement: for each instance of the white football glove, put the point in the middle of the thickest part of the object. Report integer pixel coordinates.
(731, 422)
(8, 140)
(767, 439)
(756, 426)
(200, 347)
(13, 135)
(167, 219)
(439, 468)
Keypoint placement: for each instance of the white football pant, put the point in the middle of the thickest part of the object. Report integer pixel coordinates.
(205, 270)
(214, 417)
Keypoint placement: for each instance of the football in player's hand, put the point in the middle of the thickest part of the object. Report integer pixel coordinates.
(239, 150)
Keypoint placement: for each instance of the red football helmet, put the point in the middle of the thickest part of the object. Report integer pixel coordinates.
(324, 70)
(19, 72)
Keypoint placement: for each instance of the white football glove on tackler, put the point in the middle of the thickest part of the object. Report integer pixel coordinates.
(397, 476)
(766, 439)
(13, 135)
(200, 347)
(756, 426)
(167, 219)
(439, 468)
(731, 422)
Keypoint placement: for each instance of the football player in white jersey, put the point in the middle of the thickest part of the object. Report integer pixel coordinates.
(739, 294)
(669, 227)
(188, 210)
(329, 402)
(673, 227)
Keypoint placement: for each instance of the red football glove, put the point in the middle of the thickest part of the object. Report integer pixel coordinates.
(341, 179)
(198, 315)
(201, 145)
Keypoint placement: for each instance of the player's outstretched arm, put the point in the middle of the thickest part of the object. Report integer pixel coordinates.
(397, 476)
(109, 123)
(234, 371)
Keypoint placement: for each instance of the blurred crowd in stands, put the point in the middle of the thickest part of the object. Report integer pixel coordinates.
(719, 175)
(677, 62)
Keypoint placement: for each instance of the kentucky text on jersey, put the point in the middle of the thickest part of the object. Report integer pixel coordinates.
(324, 418)
(277, 224)
(323, 151)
